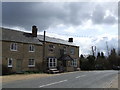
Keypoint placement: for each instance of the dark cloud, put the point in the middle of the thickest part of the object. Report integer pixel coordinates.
(45, 15)
(110, 20)
(119, 13)
(0, 14)
(28, 14)
(111, 44)
(98, 15)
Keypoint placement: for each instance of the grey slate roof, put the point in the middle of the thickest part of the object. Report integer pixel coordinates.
(66, 58)
(18, 36)
(55, 40)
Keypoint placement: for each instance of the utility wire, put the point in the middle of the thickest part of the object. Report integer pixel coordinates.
(73, 35)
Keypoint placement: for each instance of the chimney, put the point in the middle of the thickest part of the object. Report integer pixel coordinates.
(70, 40)
(34, 31)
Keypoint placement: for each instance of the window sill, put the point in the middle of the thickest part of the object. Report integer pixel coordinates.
(31, 65)
(9, 66)
(52, 66)
(31, 51)
(74, 66)
(13, 50)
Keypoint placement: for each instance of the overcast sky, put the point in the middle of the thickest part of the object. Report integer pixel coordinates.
(89, 23)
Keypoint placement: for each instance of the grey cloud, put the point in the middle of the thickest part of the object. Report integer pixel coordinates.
(27, 14)
(110, 20)
(102, 46)
(45, 15)
(79, 12)
(119, 12)
(99, 13)
(0, 14)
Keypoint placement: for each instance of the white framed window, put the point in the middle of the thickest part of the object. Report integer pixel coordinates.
(31, 63)
(52, 62)
(10, 62)
(51, 48)
(72, 51)
(13, 46)
(74, 63)
(65, 50)
(31, 48)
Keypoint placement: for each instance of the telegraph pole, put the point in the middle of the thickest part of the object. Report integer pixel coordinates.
(93, 50)
(107, 48)
(106, 45)
(44, 64)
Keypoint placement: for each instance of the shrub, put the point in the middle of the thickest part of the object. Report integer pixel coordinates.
(6, 70)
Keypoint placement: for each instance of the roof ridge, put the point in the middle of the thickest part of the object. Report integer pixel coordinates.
(52, 37)
(14, 30)
(18, 36)
(40, 37)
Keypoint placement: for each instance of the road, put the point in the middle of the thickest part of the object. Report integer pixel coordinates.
(79, 79)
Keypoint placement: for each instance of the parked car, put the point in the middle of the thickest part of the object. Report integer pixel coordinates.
(116, 67)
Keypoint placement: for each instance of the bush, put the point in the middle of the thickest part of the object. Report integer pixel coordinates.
(32, 72)
(6, 70)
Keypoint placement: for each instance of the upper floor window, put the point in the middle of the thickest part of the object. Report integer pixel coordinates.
(72, 51)
(51, 48)
(65, 50)
(31, 63)
(13, 46)
(31, 48)
(10, 62)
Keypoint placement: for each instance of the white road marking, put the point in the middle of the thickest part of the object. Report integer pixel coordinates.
(98, 72)
(80, 76)
(53, 83)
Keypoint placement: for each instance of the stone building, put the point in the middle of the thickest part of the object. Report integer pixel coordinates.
(22, 51)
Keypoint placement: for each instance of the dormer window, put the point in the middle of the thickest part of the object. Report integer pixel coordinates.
(65, 50)
(13, 46)
(31, 48)
(51, 48)
(72, 51)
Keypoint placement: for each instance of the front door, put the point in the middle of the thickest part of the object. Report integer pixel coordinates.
(19, 66)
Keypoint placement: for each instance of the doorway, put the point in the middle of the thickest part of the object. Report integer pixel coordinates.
(19, 66)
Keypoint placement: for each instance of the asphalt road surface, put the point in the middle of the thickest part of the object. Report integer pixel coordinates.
(79, 79)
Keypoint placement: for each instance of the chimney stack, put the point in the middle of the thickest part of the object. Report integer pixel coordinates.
(34, 31)
(70, 40)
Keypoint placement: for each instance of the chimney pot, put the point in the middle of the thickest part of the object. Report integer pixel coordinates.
(70, 40)
(34, 31)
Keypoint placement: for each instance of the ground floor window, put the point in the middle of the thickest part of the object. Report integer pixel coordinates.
(52, 62)
(10, 62)
(74, 63)
(31, 63)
